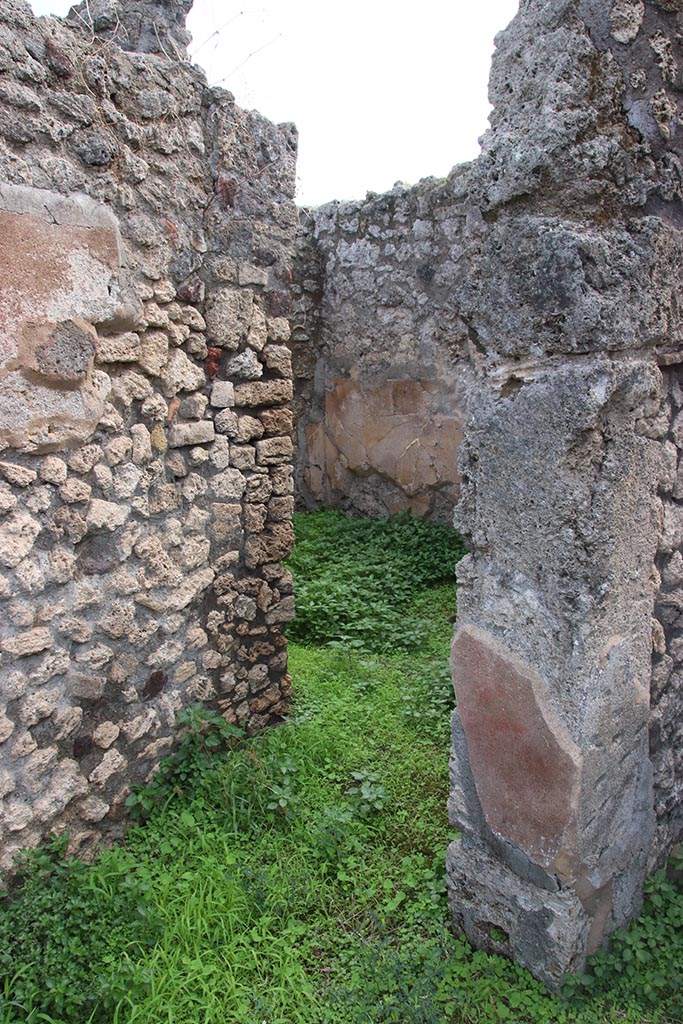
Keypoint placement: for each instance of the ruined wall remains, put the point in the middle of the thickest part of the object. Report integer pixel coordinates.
(565, 786)
(379, 355)
(543, 280)
(146, 225)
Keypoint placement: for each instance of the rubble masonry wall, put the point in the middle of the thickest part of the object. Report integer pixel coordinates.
(146, 226)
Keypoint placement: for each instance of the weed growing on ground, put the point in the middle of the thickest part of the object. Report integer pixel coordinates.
(297, 877)
(72, 938)
(644, 961)
(355, 585)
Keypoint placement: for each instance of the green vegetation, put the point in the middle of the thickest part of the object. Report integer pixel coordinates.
(356, 586)
(297, 877)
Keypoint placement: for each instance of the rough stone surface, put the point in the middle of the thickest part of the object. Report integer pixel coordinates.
(379, 358)
(128, 187)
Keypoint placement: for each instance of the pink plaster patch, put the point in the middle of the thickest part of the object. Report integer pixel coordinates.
(526, 767)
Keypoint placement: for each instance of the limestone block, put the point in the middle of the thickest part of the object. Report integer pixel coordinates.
(274, 451)
(118, 619)
(228, 485)
(92, 809)
(163, 498)
(228, 316)
(105, 515)
(16, 815)
(153, 352)
(184, 671)
(38, 705)
(142, 444)
(193, 318)
(155, 316)
(54, 664)
(164, 291)
(67, 722)
(273, 545)
(196, 638)
(37, 766)
(140, 725)
(84, 458)
(194, 407)
(85, 685)
(243, 456)
(174, 600)
(258, 331)
(75, 491)
(266, 700)
(283, 611)
(23, 745)
(194, 486)
(24, 644)
(96, 657)
(76, 629)
(254, 517)
(104, 478)
(118, 450)
(120, 348)
(155, 408)
(672, 530)
(181, 374)
(277, 421)
(226, 422)
(53, 470)
(227, 524)
(281, 509)
(20, 476)
(222, 394)
(278, 358)
(8, 500)
(245, 366)
(526, 767)
(186, 434)
(248, 429)
(281, 479)
(7, 784)
(279, 329)
(219, 453)
(126, 480)
(274, 392)
(129, 387)
(6, 726)
(112, 763)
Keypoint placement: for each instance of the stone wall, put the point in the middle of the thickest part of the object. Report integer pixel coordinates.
(539, 288)
(379, 355)
(146, 225)
(565, 788)
(666, 724)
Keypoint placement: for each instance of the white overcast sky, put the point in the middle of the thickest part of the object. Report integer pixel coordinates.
(381, 91)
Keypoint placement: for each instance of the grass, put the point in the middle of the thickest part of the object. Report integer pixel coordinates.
(295, 877)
